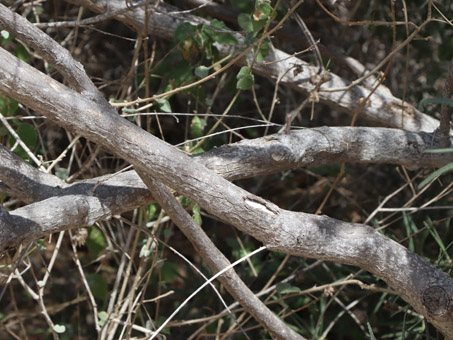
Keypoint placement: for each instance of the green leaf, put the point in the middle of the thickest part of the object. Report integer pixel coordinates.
(22, 53)
(201, 71)
(265, 8)
(164, 105)
(286, 288)
(198, 150)
(436, 174)
(186, 202)
(160, 320)
(98, 286)
(152, 210)
(28, 135)
(444, 101)
(263, 52)
(62, 173)
(219, 24)
(59, 329)
(370, 330)
(103, 317)
(245, 79)
(197, 127)
(169, 271)
(243, 71)
(257, 26)
(246, 22)
(184, 31)
(196, 214)
(246, 82)
(8, 106)
(224, 38)
(95, 242)
(182, 73)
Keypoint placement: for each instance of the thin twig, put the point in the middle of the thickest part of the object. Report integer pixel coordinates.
(446, 111)
(93, 20)
(218, 262)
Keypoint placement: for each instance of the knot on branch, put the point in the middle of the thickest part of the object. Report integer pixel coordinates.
(280, 154)
(436, 300)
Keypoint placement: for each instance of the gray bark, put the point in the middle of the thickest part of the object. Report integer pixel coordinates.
(289, 232)
(427, 289)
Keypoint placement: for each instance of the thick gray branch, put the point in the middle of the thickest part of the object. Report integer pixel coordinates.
(383, 108)
(427, 289)
(51, 51)
(217, 261)
(26, 182)
(249, 158)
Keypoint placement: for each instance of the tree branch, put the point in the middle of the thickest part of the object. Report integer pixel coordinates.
(383, 109)
(248, 158)
(51, 51)
(217, 261)
(445, 113)
(427, 289)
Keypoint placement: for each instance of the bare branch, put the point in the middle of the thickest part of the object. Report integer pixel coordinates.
(26, 182)
(249, 158)
(51, 51)
(383, 109)
(446, 111)
(427, 289)
(217, 261)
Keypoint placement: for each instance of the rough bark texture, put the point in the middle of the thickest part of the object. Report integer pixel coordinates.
(383, 108)
(429, 290)
(217, 261)
(295, 233)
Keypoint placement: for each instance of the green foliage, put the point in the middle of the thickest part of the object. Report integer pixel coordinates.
(435, 174)
(201, 71)
(98, 286)
(19, 51)
(252, 23)
(246, 22)
(95, 242)
(8, 106)
(197, 127)
(287, 288)
(164, 105)
(62, 173)
(103, 317)
(195, 40)
(263, 51)
(27, 134)
(245, 79)
(195, 57)
(196, 214)
(443, 101)
(59, 329)
(169, 271)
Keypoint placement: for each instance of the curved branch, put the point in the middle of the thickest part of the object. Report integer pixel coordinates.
(426, 288)
(249, 158)
(51, 51)
(217, 261)
(383, 109)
